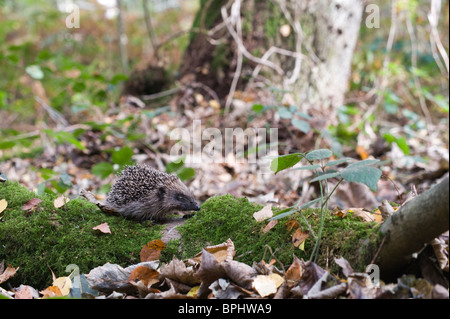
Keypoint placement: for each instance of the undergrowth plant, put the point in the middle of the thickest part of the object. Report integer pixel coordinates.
(359, 171)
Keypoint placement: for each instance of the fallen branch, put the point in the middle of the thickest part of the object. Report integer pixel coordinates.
(415, 224)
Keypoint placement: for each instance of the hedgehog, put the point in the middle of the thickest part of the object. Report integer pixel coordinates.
(142, 193)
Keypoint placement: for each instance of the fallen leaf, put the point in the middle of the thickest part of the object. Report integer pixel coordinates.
(210, 270)
(240, 273)
(264, 285)
(347, 269)
(147, 275)
(270, 225)
(25, 292)
(357, 212)
(112, 277)
(361, 152)
(277, 279)
(152, 250)
(294, 272)
(299, 237)
(8, 273)
(221, 252)
(60, 201)
(51, 291)
(292, 224)
(32, 203)
(104, 228)
(264, 213)
(176, 270)
(64, 284)
(3, 205)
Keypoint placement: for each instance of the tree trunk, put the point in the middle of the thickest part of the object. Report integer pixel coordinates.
(330, 32)
(312, 60)
(407, 231)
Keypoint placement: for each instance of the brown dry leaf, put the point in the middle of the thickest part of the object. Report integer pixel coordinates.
(270, 225)
(299, 237)
(146, 275)
(60, 201)
(31, 204)
(222, 252)
(112, 277)
(104, 228)
(51, 291)
(240, 273)
(8, 273)
(311, 274)
(347, 269)
(176, 270)
(3, 205)
(210, 270)
(152, 250)
(292, 224)
(264, 213)
(357, 212)
(294, 273)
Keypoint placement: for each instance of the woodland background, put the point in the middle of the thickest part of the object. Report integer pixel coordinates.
(77, 104)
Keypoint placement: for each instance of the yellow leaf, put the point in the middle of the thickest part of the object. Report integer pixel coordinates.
(193, 292)
(64, 284)
(277, 279)
(3, 205)
(264, 285)
(302, 246)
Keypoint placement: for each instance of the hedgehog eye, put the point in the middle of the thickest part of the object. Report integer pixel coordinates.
(180, 197)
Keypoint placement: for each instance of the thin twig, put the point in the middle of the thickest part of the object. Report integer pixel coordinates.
(159, 94)
(414, 48)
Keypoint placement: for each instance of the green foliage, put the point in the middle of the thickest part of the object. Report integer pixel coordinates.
(177, 167)
(48, 237)
(360, 172)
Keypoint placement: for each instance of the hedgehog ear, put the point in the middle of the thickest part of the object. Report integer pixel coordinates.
(161, 192)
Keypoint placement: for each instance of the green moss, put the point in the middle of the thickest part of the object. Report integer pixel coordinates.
(50, 237)
(224, 217)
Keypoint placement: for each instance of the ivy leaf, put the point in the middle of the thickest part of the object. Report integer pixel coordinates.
(280, 163)
(367, 175)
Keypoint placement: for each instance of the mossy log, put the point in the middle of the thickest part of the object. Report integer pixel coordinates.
(415, 224)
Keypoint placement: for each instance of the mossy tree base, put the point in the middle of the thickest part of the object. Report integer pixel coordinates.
(53, 238)
(224, 217)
